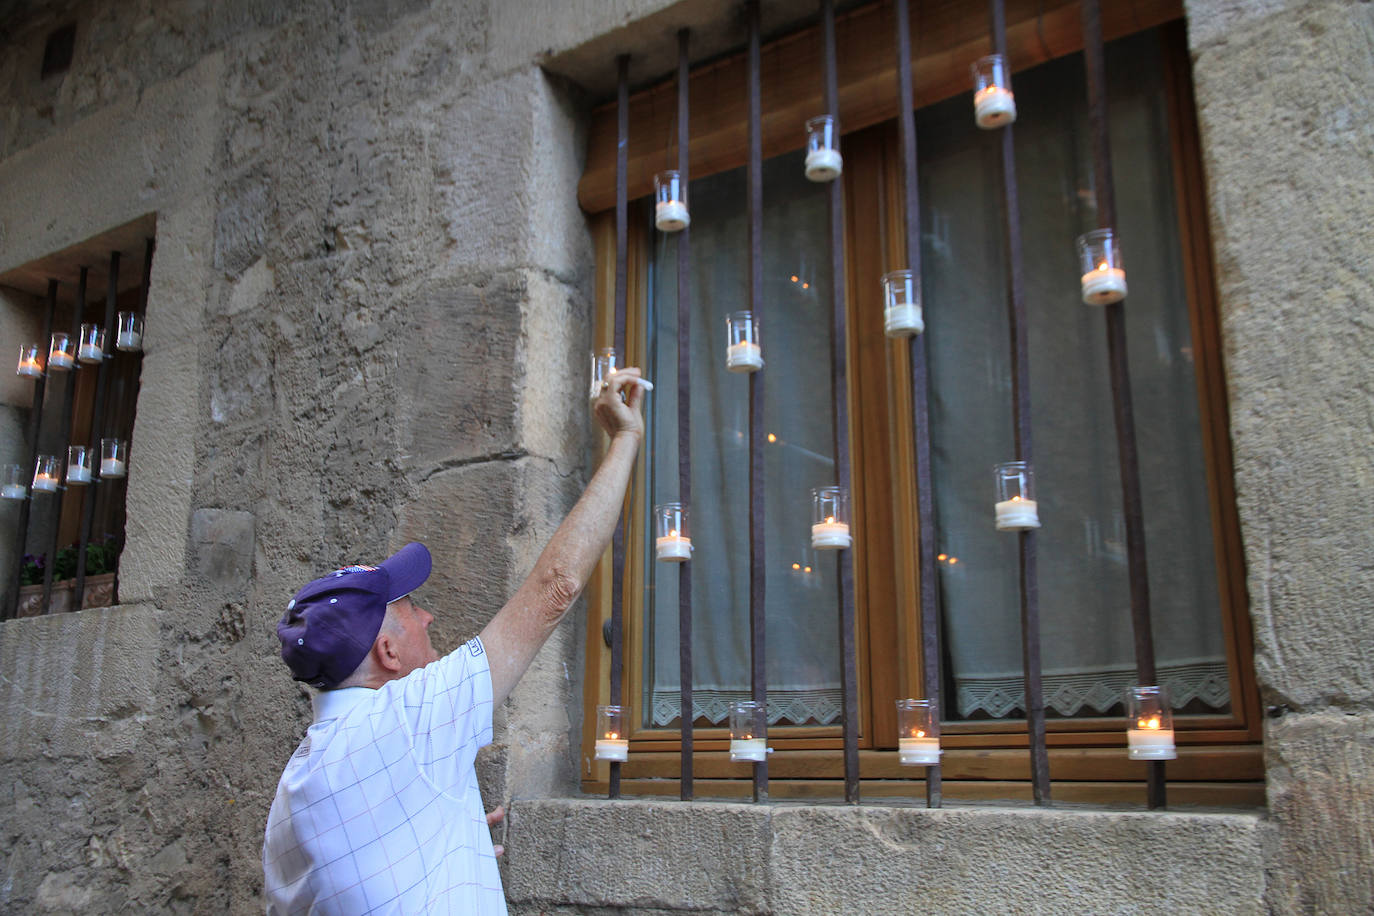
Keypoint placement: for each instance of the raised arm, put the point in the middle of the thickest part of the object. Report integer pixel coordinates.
(520, 628)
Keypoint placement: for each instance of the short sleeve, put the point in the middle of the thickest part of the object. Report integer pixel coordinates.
(446, 708)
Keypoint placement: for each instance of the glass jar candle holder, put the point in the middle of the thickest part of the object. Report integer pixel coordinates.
(79, 464)
(748, 732)
(129, 337)
(994, 105)
(823, 160)
(672, 540)
(670, 202)
(12, 483)
(603, 367)
(742, 351)
(1016, 508)
(1150, 724)
(1104, 270)
(611, 743)
(918, 734)
(114, 460)
(901, 305)
(47, 471)
(61, 352)
(91, 346)
(30, 361)
(830, 519)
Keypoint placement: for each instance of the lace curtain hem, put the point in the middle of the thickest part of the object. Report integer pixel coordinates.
(1098, 691)
(793, 706)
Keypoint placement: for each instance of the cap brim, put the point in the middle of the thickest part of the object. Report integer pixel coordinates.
(407, 569)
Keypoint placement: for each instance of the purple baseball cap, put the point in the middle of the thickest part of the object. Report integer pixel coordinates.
(330, 625)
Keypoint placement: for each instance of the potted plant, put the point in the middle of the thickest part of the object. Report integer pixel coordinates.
(102, 560)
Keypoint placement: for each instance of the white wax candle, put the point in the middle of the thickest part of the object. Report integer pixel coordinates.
(612, 749)
(78, 473)
(823, 164)
(671, 216)
(755, 749)
(918, 751)
(903, 320)
(830, 535)
(30, 368)
(674, 548)
(111, 467)
(90, 353)
(61, 359)
(993, 107)
(129, 340)
(744, 357)
(1104, 285)
(1150, 744)
(45, 482)
(13, 491)
(1017, 513)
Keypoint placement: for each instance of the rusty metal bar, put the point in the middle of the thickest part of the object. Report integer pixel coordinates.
(97, 425)
(621, 295)
(925, 502)
(1020, 395)
(65, 424)
(839, 386)
(684, 427)
(35, 428)
(1123, 409)
(757, 568)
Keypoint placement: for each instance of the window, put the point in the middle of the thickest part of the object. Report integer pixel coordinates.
(51, 417)
(1198, 603)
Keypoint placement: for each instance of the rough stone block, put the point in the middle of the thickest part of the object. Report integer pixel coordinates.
(1321, 795)
(555, 421)
(222, 541)
(73, 681)
(640, 855)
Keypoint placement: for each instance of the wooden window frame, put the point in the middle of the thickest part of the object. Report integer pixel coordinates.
(1220, 759)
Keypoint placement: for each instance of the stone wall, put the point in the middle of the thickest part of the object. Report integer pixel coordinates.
(368, 316)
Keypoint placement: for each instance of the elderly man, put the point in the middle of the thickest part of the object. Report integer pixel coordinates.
(378, 809)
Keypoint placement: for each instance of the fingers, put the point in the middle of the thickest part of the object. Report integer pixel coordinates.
(498, 850)
(496, 815)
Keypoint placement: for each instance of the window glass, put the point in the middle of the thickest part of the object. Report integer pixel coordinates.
(1088, 658)
(802, 657)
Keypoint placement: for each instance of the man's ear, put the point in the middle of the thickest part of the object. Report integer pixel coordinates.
(384, 651)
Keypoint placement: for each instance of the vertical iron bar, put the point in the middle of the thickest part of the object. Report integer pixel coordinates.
(849, 680)
(65, 438)
(1020, 394)
(97, 425)
(684, 427)
(925, 503)
(621, 293)
(35, 428)
(1123, 409)
(757, 571)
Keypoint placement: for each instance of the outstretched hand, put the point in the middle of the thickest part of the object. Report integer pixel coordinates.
(617, 408)
(494, 817)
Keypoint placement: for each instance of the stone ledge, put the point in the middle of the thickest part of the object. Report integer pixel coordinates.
(77, 684)
(647, 856)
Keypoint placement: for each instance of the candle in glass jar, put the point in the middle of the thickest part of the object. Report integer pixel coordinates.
(612, 747)
(1017, 513)
(744, 357)
(78, 473)
(61, 359)
(1149, 741)
(90, 353)
(749, 748)
(993, 107)
(922, 751)
(45, 482)
(671, 216)
(673, 547)
(824, 164)
(112, 467)
(830, 535)
(13, 491)
(129, 340)
(29, 366)
(1104, 285)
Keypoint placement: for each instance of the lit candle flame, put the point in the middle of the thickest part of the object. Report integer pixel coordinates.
(1103, 266)
(1016, 499)
(796, 566)
(807, 569)
(672, 532)
(1150, 723)
(830, 519)
(611, 736)
(918, 733)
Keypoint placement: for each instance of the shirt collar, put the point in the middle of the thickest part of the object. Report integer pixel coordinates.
(331, 704)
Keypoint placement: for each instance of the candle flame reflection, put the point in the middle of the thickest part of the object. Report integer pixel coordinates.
(1151, 723)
